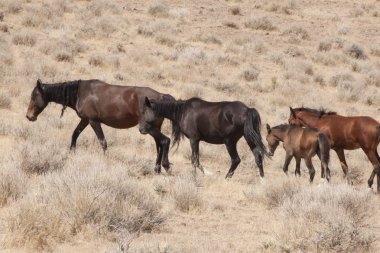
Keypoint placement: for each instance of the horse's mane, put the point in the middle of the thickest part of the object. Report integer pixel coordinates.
(175, 110)
(321, 112)
(65, 93)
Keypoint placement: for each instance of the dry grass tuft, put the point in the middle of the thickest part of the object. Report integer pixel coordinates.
(262, 23)
(159, 9)
(251, 73)
(150, 28)
(298, 32)
(324, 46)
(5, 101)
(12, 183)
(356, 52)
(24, 38)
(328, 217)
(231, 24)
(185, 193)
(235, 10)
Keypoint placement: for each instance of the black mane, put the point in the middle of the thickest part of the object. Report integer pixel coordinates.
(321, 112)
(65, 93)
(174, 110)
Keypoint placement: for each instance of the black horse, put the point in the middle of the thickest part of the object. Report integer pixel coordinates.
(212, 122)
(97, 102)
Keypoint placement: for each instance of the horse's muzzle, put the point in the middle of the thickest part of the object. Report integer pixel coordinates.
(270, 153)
(143, 130)
(31, 118)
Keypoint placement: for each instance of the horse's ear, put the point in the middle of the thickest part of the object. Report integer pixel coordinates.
(292, 112)
(268, 128)
(147, 102)
(39, 84)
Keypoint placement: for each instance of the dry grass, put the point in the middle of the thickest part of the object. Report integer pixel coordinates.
(186, 193)
(24, 38)
(262, 23)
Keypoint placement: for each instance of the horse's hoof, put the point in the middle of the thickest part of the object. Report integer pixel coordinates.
(157, 169)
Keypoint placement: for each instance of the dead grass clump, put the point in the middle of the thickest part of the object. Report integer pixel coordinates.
(165, 39)
(150, 28)
(320, 80)
(14, 6)
(350, 91)
(64, 56)
(274, 195)
(207, 38)
(341, 77)
(5, 101)
(231, 24)
(251, 73)
(235, 10)
(324, 46)
(293, 51)
(186, 194)
(84, 199)
(24, 38)
(356, 52)
(32, 20)
(41, 159)
(327, 217)
(298, 32)
(325, 59)
(97, 60)
(375, 51)
(159, 9)
(285, 7)
(192, 55)
(106, 26)
(262, 23)
(355, 176)
(12, 182)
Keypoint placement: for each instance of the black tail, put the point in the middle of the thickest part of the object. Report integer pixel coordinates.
(177, 134)
(324, 151)
(252, 126)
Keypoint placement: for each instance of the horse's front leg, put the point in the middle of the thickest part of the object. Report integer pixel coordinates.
(99, 133)
(374, 159)
(162, 146)
(298, 167)
(342, 159)
(288, 159)
(81, 126)
(310, 166)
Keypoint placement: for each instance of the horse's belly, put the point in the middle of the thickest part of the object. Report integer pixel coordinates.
(120, 123)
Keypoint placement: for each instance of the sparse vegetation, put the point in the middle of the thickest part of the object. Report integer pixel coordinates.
(24, 38)
(262, 23)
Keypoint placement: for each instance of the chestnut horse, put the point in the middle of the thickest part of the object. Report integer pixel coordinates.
(212, 122)
(344, 133)
(300, 143)
(97, 102)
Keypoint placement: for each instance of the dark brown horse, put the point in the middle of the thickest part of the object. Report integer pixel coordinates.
(300, 143)
(344, 133)
(212, 122)
(97, 102)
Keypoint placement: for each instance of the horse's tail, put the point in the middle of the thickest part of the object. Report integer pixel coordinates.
(252, 126)
(177, 134)
(324, 151)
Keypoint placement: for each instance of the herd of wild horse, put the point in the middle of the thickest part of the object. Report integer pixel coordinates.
(309, 132)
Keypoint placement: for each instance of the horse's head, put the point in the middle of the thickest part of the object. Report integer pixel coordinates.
(294, 118)
(149, 116)
(272, 140)
(37, 103)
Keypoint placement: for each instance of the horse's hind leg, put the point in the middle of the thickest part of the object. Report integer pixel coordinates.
(374, 159)
(195, 155)
(310, 166)
(99, 133)
(342, 159)
(298, 167)
(81, 126)
(235, 159)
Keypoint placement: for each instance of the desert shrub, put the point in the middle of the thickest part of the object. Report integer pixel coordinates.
(231, 24)
(14, 6)
(207, 38)
(13, 182)
(24, 38)
(97, 60)
(105, 26)
(5, 101)
(159, 9)
(298, 32)
(285, 7)
(41, 159)
(350, 90)
(150, 28)
(192, 55)
(32, 20)
(337, 79)
(185, 193)
(262, 23)
(274, 195)
(324, 46)
(165, 39)
(251, 73)
(64, 56)
(375, 51)
(331, 218)
(293, 51)
(356, 52)
(85, 198)
(235, 10)
(320, 80)
(372, 77)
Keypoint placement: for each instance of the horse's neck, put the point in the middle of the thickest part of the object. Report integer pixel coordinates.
(170, 110)
(64, 94)
(280, 134)
(310, 121)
